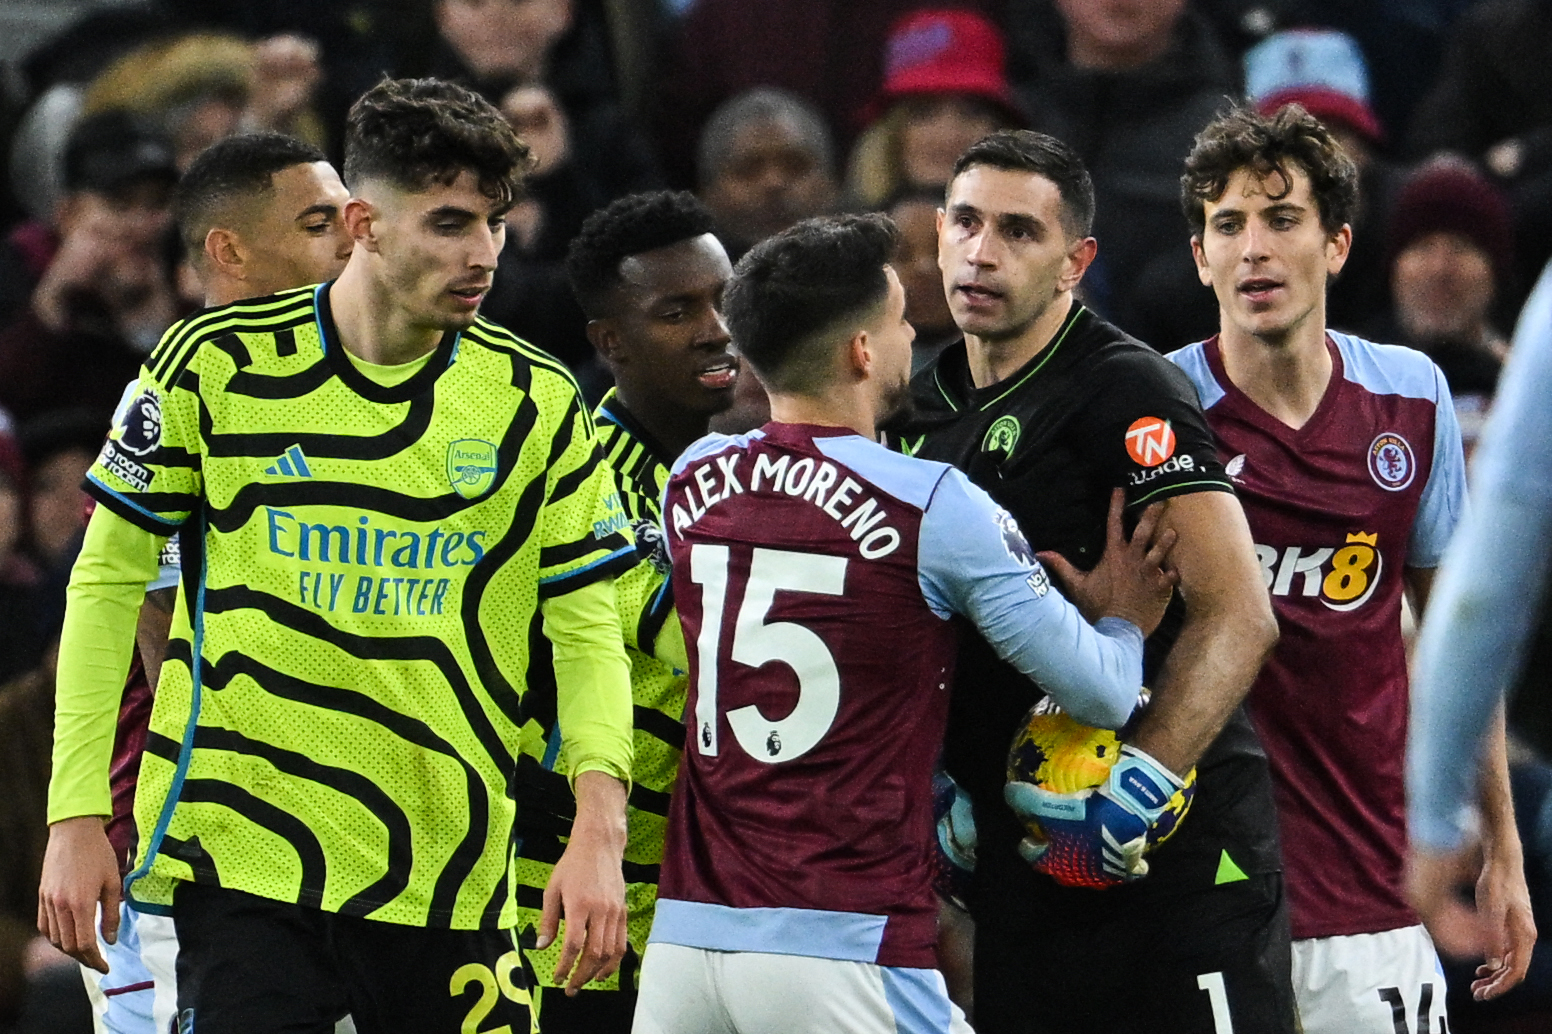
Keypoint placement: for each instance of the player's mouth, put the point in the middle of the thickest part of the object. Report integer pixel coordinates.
(1259, 290)
(720, 375)
(470, 295)
(977, 294)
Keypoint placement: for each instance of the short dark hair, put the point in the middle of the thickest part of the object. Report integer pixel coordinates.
(1242, 138)
(1024, 150)
(628, 226)
(228, 170)
(416, 132)
(791, 288)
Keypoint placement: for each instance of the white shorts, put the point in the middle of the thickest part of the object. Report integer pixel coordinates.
(1370, 983)
(139, 993)
(700, 991)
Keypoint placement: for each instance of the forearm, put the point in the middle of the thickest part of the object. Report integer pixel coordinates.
(103, 600)
(1500, 836)
(592, 678)
(1207, 674)
(1229, 629)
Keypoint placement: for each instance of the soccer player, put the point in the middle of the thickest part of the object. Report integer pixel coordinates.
(383, 501)
(1347, 458)
(1475, 639)
(258, 214)
(1049, 408)
(649, 273)
(816, 575)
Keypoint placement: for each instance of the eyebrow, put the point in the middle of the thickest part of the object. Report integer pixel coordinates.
(329, 210)
(1001, 218)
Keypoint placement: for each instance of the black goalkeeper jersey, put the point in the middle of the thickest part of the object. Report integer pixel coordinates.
(1096, 409)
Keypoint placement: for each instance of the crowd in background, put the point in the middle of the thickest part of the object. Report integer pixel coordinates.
(771, 112)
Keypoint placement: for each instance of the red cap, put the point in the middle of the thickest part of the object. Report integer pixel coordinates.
(945, 51)
(1328, 106)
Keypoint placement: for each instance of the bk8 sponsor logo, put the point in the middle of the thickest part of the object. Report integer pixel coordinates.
(1342, 578)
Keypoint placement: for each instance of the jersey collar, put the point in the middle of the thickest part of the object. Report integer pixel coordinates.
(612, 409)
(359, 382)
(951, 374)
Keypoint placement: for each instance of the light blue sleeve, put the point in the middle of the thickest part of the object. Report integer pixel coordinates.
(974, 561)
(1443, 504)
(1484, 602)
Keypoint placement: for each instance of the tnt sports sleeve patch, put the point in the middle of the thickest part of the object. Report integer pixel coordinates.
(585, 533)
(148, 471)
(1148, 434)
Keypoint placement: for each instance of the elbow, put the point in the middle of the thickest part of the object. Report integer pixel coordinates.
(1262, 632)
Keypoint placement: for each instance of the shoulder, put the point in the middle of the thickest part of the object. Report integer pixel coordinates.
(245, 332)
(910, 480)
(1192, 360)
(711, 445)
(1389, 369)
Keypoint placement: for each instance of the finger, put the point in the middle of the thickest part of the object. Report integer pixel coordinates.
(85, 920)
(573, 940)
(1142, 535)
(1161, 546)
(1114, 532)
(1066, 574)
(110, 914)
(549, 917)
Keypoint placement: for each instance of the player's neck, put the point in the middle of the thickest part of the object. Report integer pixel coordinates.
(1286, 375)
(371, 324)
(837, 408)
(672, 427)
(993, 360)
(221, 290)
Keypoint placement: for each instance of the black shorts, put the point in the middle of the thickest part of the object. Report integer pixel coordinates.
(249, 965)
(586, 1012)
(1210, 961)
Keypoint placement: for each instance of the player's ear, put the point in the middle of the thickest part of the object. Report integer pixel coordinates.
(858, 356)
(360, 217)
(1203, 273)
(1337, 249)
(1080, 255)
(223, 250)
(604, 336)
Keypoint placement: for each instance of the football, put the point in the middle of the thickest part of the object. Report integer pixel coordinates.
(1054, 752)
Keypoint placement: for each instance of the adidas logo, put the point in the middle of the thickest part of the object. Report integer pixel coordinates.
(291, 464)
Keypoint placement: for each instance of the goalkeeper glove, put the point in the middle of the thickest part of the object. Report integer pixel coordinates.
(1095, 837)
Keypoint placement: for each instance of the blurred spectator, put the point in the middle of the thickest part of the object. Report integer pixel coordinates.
(1493, 103)
(764, 163)
(39, 986)
(201, 87)
(53, 77)
(1451, 249)
(916, 262)
(59, 447)
(945, 87)
(1127, 84)
(828, 52)
(19, 575)
(1496, 83)
(105, 293)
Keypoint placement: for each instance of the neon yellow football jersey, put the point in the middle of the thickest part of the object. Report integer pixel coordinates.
(658, 692)
(344, 693)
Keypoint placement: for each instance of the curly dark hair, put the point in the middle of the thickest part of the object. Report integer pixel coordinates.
(628, 226)
(235, 168)
(415, 132)
(790, 288)
(1242, 138)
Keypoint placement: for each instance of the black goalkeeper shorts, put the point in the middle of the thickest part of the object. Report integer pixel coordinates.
(1212, 961)
(249, 965)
